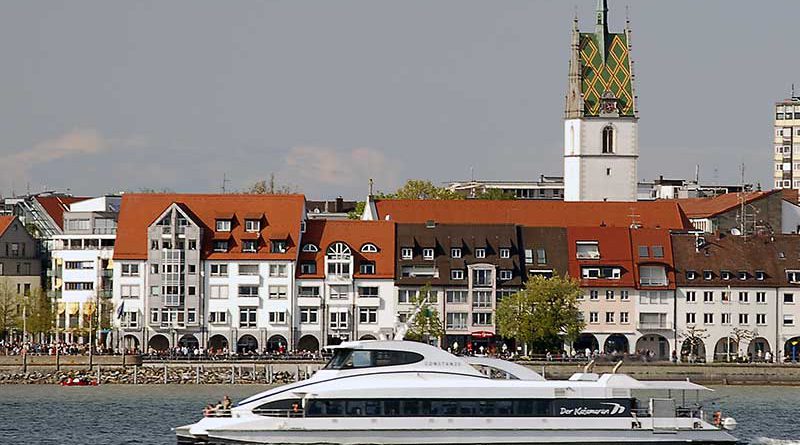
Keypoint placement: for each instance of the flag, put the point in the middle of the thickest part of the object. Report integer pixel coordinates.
(120, 310)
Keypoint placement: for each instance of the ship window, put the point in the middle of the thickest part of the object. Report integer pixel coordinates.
(350, 359)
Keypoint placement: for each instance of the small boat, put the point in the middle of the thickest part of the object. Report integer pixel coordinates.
(78, 381)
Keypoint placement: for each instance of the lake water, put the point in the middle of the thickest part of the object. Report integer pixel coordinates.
(121, 414)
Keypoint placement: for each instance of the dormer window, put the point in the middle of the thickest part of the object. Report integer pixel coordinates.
(691, 275)
(220, 246)
(644, 252)
(310, 248)
(251, 225)
(658, 251)
(223, 225)
(743, 275)
(505, 252)
(793, 276)
(455, 252)
(480, 253)
(708, 275)
(249, 246)
(726, 275)
(369, 248)
(367, 268)
(760, 275)
(587, 250)
(406, 253)
(427, 254)
(278, 246)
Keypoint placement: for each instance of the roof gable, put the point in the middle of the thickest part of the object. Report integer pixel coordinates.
(323, 233)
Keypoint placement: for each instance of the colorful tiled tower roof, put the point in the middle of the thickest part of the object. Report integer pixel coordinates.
(600, 71)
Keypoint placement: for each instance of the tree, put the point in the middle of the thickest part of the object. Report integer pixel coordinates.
(544, 315)
(693, 338)
(423, 189)
(739, 337)
(270, 187)
(495, 194)
(40, 312)
(9, 308)
(426, 324)
(358, 211)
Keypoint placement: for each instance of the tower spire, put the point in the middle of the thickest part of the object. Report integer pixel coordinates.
(601, 26)
(574, 99)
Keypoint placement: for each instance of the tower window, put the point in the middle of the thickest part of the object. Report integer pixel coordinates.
(608, 139)
(608, 172)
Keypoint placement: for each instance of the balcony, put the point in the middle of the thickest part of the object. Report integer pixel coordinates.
(105, 293)
(653, 325)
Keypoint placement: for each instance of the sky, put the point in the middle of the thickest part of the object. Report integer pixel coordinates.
(106, 96)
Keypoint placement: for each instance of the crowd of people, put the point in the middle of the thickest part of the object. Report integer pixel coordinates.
(199, 353)
(9, 347)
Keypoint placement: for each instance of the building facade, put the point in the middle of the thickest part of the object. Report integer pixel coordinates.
(20, 260)
(786, 154)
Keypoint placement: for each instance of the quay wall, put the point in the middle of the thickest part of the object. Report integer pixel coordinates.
(132, 370)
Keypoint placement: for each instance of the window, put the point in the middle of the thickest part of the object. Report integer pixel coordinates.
(658, 251)
(456, 297)
(744, 318)
(367, 291)
(277, 292)
(219, 270)
(691, 275)
(154, 318)
(130, 319)
(482, 319)
(248, 291)
(308, 291)
(252, 225)
(278, 270)
(155, 291)
(129, 291)
(528, 256)
(427, 254)
(725, 296)
(690, 318)
(247, 317)
(506, 275)
(367, 315)
(78, 285)
(218, 292)
(726, 318)
(587, 250)
(406, 253)
(480, 252)
(128, 270)
(220, 246)
(457, 274)
(708, 318)
(761, 297)
(406, 295)
(192, 244)
(594, 273)
(308, 267)
(623, 317)
(788, 320)
(223, 225)
(691, 296)
(652, 276)
(793, 276)
(369, 248)
(218, 317)
(505, 252)
(593, 294)
(338, 292)
(609, 294)
(594, 317)
(761, 319)
(249, 246)
(310, 248)
(482, 299)
(760, 275)
(708, 296)
(192, 269)
(624, 295)
(644, 252)
(248, 269)
(744, 297)
(191, 315)
(726, 275)
(309, 315)
(608, 139)
(456, 320)
(338, 320)
(482, 277)
(339, 268)
(609, 317)
(788, 298)
(277, 317)
(541, 256)
(743, 275)
(455, 252)
(278, 246)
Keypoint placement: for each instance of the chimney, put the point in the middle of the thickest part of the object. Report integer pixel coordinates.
(339, 204)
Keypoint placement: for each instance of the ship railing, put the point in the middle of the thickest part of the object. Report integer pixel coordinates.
(690, 413)
(217, 412)
(279, 412)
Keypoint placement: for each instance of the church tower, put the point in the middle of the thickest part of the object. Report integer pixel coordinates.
(601, 146)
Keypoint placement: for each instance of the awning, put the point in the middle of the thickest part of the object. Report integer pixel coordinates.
(88, 308)
(73, 308)
(61, 307)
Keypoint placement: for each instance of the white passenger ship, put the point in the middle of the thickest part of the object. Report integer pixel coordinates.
(403, 393)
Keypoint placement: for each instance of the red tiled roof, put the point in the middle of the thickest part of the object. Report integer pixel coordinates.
(322, 233)
(535, 213)
(614, 244)
(5, 223)
(790, 195)
(55, 206)
(650, 238)
(709, 207)
(283, 214)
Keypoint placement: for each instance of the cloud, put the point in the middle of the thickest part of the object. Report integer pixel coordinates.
(329, 166)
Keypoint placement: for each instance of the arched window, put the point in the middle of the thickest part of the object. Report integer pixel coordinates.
(310, 248)
(608, 139)
(369, 248)
(338, 251)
